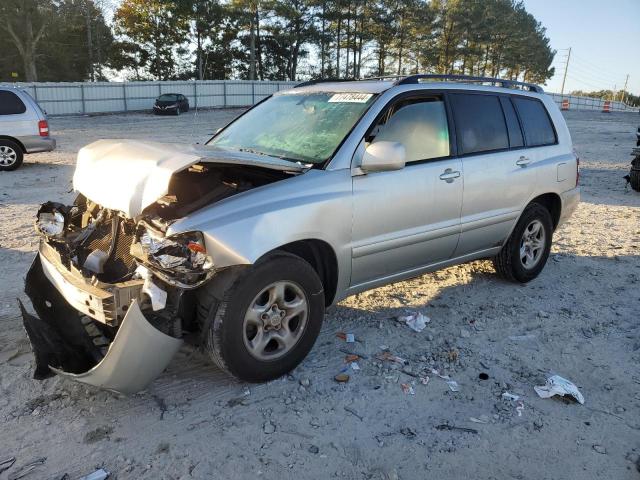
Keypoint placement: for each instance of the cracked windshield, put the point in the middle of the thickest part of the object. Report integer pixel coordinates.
(306, 128)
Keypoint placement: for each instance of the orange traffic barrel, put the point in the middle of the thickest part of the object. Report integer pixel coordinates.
(565, 104)
(606, 108)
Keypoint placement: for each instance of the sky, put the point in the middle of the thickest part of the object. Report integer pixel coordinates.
(604, 37)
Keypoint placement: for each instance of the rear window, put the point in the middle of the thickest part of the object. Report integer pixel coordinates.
(536, 124)
(480, 123)
(10, 103)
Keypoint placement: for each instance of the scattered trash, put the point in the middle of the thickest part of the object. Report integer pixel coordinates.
(415, 321)
(481, 419)
(520, 407)
(347, 337)
(27, 469)
(407, 389)
(453, 355)
(424, 380)
(600, 449)
(453, 385)
(350, 351)
(445, 426)
(389, 357)
(100, 474)
(354, 366)
(510, 396)
(341, 378)
(7, 463)
(483, 376)
(305, 382)
(352, 357)
(556, 385)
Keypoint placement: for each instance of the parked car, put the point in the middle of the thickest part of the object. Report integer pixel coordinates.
(23, 128)
(317, 193)
(174, 103)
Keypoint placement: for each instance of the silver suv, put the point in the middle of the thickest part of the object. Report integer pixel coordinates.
(314, 194)
(23, 128)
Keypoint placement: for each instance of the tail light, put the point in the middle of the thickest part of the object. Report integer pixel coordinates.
(43, 128)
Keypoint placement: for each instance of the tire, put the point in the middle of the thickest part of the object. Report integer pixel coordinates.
(177, 111)
(11, 155)
(232, 338)
(634, 179)
(509, 263)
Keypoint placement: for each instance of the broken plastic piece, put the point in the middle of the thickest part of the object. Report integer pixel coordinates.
(157, 295)
(407, 389)
(556, 385)
(510, 396)
(100, 474)
(416, 321)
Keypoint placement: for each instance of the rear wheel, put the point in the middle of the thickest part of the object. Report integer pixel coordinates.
(525, 254)
(268, 319)
(634, 179)
(11, 155)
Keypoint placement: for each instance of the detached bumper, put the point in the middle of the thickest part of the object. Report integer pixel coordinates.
(137, 355)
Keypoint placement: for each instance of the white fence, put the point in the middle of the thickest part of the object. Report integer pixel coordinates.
(75, 98)
(107, 97)
(589, 103)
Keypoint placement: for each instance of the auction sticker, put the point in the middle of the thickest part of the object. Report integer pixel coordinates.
(350, 98)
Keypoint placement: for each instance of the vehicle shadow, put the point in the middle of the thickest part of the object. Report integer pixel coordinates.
(608, 186)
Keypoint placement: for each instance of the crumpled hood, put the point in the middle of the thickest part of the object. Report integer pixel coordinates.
(130, 175)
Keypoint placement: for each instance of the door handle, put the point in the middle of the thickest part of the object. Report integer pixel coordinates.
(449, 175)
(523, 161)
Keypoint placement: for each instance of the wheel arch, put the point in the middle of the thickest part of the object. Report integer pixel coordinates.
(552, 202)
(321, 256)
(15, 140)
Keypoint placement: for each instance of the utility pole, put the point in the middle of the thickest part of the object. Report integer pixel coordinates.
(566, 67)
(624, 89)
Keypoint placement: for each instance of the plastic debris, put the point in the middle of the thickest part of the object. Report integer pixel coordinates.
(407, 389)
(157, 295)
(556, 385)
(27, 469)
(520, 407)
(347, 337)
(354, 366)
(7, 463)
(389, 357)
(453, 385)
(341, 378)
(424, 380)
(510, 396)
(415, 321)
(100, 474)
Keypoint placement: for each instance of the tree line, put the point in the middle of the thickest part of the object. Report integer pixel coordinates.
(60, 40)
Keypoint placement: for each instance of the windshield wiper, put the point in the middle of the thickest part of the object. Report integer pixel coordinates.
(281, 157)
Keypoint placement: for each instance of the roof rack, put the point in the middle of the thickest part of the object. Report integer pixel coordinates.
(324, 80)
(470, 79)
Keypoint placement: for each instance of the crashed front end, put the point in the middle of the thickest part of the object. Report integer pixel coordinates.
(108, 292)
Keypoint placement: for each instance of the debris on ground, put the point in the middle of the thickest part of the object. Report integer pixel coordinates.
(510, 396)
(354, 366)
(480, 419)
(341, 378)
(424, 380)
(347, 337)
(268, 427)
(520, 407)
(407, 389)
(387, 356)
(99, 474)
(446, 426)
(27, 469)
(352, 357)
(453, 385)
(600, 449)
(556, 385)
(415, 321)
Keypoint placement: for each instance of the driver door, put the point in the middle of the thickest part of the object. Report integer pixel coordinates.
(405, 220)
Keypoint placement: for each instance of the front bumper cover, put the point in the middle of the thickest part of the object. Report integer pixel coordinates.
(138, 353)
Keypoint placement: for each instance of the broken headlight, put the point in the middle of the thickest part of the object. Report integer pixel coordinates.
(51, 219)
(183, 254)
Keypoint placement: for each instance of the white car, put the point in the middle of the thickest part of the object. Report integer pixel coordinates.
(23, 128)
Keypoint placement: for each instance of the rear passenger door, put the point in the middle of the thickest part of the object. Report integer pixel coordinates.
(15, 119)
(498, 179)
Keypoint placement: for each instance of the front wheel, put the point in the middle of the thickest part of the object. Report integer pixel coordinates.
(177, 110)
(525, 254)
(267, 321)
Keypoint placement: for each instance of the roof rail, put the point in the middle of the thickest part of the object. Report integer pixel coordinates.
(323, 80)
(470, 79)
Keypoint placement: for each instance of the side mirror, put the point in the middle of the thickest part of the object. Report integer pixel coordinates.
(383, 156)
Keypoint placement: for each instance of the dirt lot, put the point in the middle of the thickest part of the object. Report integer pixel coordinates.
(579, 319)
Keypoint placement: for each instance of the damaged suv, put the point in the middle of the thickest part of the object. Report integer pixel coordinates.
(315, 194)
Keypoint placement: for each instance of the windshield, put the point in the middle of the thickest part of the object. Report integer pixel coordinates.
(298, 127)
(168, 97)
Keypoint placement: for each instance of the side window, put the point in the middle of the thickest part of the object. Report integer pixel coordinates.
(513, 125)
(536, 123)
(480, 123)
(420, 125)
(10, 103)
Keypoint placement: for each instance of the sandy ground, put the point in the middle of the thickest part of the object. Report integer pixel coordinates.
(579, 319)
